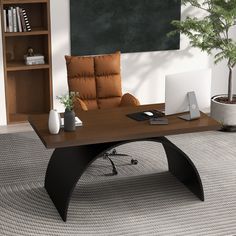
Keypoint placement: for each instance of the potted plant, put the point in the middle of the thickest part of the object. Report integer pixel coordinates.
(69, 115)
(212, 34)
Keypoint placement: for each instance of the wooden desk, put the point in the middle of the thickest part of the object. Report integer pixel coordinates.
(106, 129)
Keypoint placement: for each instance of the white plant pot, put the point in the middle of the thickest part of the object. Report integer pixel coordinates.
(224, 113)
(54, 122)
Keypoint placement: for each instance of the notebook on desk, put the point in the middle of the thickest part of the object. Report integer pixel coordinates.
(78, 122)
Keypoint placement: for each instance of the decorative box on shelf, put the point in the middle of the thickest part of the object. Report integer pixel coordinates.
(37, 59)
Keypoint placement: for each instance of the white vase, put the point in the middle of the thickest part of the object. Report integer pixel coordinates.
(54, 122)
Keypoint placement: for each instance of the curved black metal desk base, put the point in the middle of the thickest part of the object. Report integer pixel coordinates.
(67, 165)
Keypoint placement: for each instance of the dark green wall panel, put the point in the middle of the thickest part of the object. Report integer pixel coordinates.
(106, 26)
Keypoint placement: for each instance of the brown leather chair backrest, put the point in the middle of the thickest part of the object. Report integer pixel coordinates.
(96, 78)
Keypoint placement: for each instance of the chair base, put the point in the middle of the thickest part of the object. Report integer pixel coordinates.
(114, 170)
(134, 162)
(107, 156)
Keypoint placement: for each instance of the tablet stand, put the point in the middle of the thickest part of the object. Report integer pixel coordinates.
(194, 112)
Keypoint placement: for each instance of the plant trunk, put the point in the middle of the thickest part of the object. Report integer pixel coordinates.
(230, 85)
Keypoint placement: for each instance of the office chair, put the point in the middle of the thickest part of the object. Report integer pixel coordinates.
(98, 81)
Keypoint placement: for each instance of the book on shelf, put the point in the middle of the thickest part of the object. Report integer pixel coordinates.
(5, 19)
(28, 28)
(22, 20)
(37, 59)
(16, 20)
(36, 62)
(10, 20)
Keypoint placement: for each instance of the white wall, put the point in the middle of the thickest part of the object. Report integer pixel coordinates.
(220, 72)
(60, 30)
(142, 73)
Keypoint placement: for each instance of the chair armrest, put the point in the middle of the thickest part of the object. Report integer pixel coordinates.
(79, 105)
(129, 100)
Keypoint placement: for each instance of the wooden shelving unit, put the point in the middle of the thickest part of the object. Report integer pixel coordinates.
(28, 88)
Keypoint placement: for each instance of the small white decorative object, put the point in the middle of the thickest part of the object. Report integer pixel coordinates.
(54, 122)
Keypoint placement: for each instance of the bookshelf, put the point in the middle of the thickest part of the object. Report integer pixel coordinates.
(28, 88)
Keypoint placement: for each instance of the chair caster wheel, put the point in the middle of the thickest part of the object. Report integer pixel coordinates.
(114, 152)
(134, 162)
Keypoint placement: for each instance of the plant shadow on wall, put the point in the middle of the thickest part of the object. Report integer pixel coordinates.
(212, 34)
(155, 60)
(144, 64)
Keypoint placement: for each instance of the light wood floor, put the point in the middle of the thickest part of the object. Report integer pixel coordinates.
(24, 127)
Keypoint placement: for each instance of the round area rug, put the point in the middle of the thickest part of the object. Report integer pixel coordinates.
(143, 199)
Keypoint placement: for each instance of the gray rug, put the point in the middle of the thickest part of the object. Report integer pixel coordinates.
(142, 200)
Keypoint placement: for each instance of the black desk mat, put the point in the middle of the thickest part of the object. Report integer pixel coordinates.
(141, 116)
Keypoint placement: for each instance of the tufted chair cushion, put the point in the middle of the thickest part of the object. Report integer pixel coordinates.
(98, 81)
(81, 78)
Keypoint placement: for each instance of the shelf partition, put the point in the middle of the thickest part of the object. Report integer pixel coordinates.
(33, 32)
(20, 65)
(13, 2)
